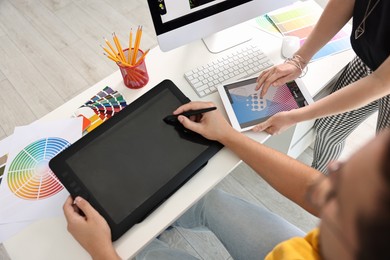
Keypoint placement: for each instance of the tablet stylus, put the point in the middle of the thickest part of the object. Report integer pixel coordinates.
(173, 118)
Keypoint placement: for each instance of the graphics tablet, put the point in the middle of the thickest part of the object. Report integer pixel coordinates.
(245, 108)
(129, 165)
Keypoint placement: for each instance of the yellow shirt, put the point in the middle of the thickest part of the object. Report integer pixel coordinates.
(305, 248)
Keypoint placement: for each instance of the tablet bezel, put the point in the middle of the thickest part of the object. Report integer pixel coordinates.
(230, 111)
(77, 188)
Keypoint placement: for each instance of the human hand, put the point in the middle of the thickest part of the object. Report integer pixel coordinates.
(276, 124)
(276, 76)
(212, 125)
(91, 230)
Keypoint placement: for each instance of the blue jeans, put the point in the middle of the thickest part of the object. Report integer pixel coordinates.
(246, 230)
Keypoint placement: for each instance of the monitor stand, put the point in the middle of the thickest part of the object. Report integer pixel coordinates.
(227, 38)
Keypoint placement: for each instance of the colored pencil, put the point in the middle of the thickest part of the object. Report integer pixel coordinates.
(111, 57)
(117, 60)
(119, 47)
(112, 48)
(117, 55)
(136, 45)
(108, 51)
(129, 51)
(141, 58)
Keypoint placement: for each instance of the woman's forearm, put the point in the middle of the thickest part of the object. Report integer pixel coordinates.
(353, 96)
(287, 175)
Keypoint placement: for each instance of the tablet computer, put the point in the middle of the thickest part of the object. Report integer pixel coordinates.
(245, 108)
(133, 162)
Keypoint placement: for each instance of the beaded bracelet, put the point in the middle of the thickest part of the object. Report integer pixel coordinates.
(297, 61)
(300, 59)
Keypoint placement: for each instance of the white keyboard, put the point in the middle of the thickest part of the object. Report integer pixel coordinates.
(235, 65)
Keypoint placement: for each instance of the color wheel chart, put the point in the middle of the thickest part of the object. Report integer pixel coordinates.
(299, 20)
(29, 176)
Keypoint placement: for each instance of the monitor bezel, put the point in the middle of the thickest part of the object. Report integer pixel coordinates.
(220, 26)
(161, 27)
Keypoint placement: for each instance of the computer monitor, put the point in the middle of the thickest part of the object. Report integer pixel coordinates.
(178, 22)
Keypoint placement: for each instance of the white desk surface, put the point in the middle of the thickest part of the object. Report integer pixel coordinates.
(49, 239)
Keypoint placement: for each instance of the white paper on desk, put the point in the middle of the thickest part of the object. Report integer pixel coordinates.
(4, 149)
(8, 230)
(29, 189)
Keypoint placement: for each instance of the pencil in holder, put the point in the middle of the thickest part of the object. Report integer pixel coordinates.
(134, 76)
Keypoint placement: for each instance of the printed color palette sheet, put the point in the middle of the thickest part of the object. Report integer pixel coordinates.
(299, 20)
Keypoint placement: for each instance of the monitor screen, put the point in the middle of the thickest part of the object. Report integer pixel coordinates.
(178, 22)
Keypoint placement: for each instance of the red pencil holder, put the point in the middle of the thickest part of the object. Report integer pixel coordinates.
(134, 76)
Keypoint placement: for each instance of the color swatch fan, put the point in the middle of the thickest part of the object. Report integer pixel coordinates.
(29, 176)
(101, 107)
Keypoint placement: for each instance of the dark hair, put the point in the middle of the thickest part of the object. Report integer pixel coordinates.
(374, 231)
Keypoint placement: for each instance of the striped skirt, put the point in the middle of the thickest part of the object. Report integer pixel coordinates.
(332, 131)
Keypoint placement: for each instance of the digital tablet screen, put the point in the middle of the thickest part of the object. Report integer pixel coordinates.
(246, 107)
(127, 163)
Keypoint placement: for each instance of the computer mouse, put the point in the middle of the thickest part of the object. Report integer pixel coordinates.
(290, 45)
